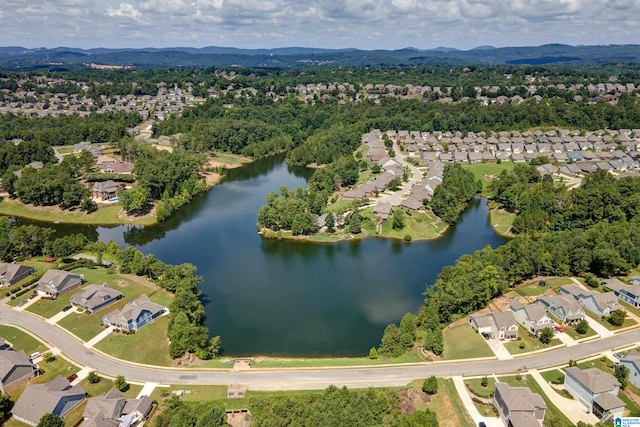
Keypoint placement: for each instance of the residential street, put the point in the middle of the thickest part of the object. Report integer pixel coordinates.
(302, 379)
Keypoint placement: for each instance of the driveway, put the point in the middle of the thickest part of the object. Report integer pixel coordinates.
(499, 349)
(596, 326)
(470, 407)
(566, 339)
(572, 409)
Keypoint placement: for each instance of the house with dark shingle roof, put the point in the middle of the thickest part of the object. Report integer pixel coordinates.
(15, 369)
(105, 190)
(596, 390)
(113, 410)
(13, 273)
(519, 406)
(135, 315)
(57, 397)
(95, 297)
(54, 283)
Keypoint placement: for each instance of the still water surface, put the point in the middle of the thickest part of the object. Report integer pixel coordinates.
(270, 297)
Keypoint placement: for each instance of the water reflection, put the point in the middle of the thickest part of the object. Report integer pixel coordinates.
(288, 297)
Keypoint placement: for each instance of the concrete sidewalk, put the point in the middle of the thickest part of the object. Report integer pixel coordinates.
(471, 407)
(95, 340)
(499, 349)
(58, 317)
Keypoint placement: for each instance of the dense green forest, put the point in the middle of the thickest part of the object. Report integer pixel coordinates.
(334, 407)
(451, 197)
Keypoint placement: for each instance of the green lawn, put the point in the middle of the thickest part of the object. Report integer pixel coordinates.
(21, 340)
(571, 331)
(150, 343)
(107, 215)
(501, 221)
(603, 363)
(480, 170)
(411, 357)
(475, 386)
(555, 376)
(556, 282)
(233, 159)
(628, 322)
(463, 342)
(104, 385)
(530, 343)
(531, 290)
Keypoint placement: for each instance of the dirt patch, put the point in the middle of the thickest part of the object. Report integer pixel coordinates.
(140, 281)
(131, 218)
(411, 400)
(211, 178)
(162, 147)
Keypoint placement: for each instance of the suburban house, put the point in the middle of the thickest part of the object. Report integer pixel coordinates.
(15, 369)
(502, 324)
(596, 390)
(95, 297)
(54, 283)
(533, 316)
(105, 190)
(601, 304)
(563, 307)
(382, 210)
(56, 397)
(632, 361)
(13, 273)
(114, 410)
(135, 315)
(519, 406)
(627, 293)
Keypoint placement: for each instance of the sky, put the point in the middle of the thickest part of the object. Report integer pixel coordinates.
(363, 24)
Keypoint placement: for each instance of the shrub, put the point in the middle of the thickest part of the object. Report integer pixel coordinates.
(430, 385)
(407, 238)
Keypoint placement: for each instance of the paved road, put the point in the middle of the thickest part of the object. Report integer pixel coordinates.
(301, 379)
(396, 197)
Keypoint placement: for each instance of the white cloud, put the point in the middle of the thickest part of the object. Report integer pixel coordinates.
(545, 9)
(125, 10)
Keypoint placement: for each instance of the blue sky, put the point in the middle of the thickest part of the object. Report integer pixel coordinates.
(364, 24)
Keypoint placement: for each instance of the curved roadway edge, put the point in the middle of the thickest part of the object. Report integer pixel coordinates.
(302, 379)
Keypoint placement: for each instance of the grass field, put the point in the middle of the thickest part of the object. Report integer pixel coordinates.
(192, 392)
(232, 159)
(480, 170)
(628, 322)
(150, 342)
(556, 282)
(108, 215)
(462, 342)
(448, 406)
(530, 343)
(21, 340)
(475, 386)
(501, 221)
(411, 357)
(530, 290)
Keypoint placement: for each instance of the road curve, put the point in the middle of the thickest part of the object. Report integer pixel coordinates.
(302, 379)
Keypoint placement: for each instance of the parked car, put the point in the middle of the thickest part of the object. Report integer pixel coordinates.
(21, 303)
(558, 328)
(486, 335)
(619, 355)
(482, 424)
(66, 308)
(72, 377)
(50, 259)
(33, 295)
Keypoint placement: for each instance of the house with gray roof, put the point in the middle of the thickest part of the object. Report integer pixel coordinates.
(54, 283)
(632, 362)
(57, 397)
(113, 410)
(135, 315)
(502, 324)
(11, 274)
(627, 293)
(15, 369)
(533, 316)
(105, 190)
(519, 406)
(601, 304)
(95, 297)
(563, 307)
(596, 390)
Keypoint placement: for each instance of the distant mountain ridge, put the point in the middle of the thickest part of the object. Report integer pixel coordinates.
(20, 58)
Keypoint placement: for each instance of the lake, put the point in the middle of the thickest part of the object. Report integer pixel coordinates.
(286, 298)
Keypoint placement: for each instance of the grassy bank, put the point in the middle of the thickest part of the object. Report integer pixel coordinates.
(501, 221)
(107, 215)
